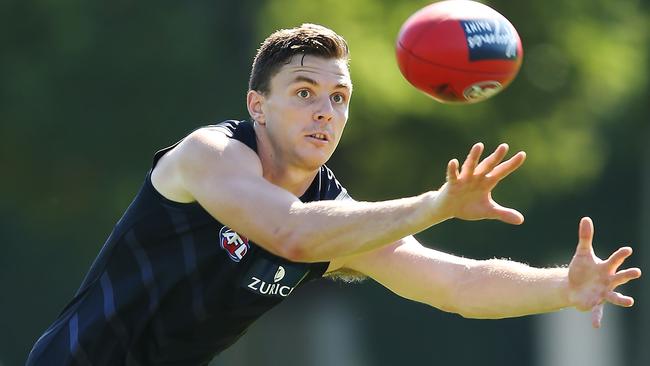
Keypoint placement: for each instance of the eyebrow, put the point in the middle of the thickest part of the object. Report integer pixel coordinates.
(308, 80)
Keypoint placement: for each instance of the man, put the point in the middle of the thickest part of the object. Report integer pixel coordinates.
(231, 219)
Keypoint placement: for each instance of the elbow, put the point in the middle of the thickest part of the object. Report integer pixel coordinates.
(468, 314)
(453, 308)
(461, 310)
(443, 299)
(298, 251)
(481, 315)
(294, 246)
(290, 248)
(468, 311)
(454, 302)
(294, 239)
(294, 253)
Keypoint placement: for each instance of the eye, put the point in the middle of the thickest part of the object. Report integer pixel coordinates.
(303, 93)
(338, 98)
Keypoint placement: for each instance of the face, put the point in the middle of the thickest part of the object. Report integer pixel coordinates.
(305, 111)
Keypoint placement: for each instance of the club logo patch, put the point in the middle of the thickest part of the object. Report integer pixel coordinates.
(490, 39)
(234, 244)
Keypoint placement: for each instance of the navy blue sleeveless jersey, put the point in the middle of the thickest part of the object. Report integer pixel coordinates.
(172, 285)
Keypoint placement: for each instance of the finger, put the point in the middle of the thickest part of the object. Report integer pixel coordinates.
(452, 171)
(504, 169)
(585, 236)
(619, 299)
(472, 159)
(491, 161)
(625, 276)
(597, 315)
(618, 257)
(508, 215)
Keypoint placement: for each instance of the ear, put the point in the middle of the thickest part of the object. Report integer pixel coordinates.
(254, 103)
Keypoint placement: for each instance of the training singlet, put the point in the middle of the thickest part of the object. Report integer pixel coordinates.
(172, 285)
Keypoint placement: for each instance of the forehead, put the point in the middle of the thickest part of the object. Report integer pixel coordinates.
(322, 70)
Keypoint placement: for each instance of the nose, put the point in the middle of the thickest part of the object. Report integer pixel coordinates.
(325, 111)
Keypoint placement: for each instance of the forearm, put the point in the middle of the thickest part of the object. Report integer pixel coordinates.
(496, 288)
(472, 288)
(332, 229)
(501, 288)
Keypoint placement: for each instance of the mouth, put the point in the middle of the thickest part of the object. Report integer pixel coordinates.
(320, 136)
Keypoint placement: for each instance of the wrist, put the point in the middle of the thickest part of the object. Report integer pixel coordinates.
(438, 210)
(564, 288)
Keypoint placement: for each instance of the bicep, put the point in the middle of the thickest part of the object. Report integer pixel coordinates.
(225, 178)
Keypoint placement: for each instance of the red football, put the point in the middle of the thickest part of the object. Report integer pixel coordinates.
(459, 51)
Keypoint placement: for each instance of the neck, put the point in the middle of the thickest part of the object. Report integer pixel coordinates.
(278, 170)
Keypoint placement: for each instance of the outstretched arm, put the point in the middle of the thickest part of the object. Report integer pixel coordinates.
(226, 178)
(499, 288)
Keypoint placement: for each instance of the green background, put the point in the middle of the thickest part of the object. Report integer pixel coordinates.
(89, 90)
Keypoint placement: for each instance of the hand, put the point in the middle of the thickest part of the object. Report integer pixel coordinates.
(592, 281)
(467, 194)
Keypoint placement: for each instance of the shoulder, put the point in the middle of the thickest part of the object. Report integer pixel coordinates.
(206, 152)
(213, 144)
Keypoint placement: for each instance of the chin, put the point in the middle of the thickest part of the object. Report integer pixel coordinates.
(313, 165)
(314, 161)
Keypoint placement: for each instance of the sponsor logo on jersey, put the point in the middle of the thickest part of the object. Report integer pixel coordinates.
(489, 39)
(234, 244)
(268, 278)
(259, 286)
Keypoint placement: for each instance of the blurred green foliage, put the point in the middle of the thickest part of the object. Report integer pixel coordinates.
(89, 90)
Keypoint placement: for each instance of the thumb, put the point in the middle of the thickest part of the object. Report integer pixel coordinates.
(585, 236)
(508, 215)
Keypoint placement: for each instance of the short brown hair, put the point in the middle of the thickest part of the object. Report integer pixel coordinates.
(278, 48)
